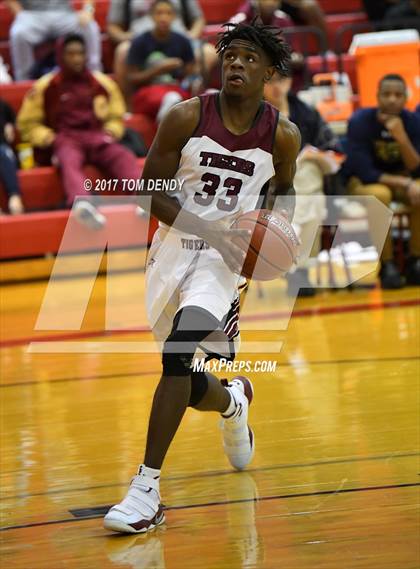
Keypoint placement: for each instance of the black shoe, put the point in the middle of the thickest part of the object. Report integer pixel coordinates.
(413, 271)
(390, 276)
(298, 284)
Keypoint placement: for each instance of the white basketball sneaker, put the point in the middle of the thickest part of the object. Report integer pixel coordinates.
(238, 438)
(88, 215)
(141, 510)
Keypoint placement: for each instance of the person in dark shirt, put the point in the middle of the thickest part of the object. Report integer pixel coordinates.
(130, 18)
(383, 160)
(316, 159)
(8, 163)
(157, 62)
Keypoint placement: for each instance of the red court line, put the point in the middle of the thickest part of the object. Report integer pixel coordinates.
(301, 312)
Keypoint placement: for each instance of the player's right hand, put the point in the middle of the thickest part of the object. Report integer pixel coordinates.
(225, 240)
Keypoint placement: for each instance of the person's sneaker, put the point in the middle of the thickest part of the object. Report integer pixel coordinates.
(238, 438)
(141, 510)
(298, 284)
(88, 215)
(390, 276)
(15, 205)
(413, 271)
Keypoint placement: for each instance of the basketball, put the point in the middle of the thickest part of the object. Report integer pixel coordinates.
(273, 247)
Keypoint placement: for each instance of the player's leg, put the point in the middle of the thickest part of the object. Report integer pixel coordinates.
(231, 399)
(141, 509)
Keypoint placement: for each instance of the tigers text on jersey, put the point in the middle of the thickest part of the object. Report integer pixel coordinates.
(224, 173)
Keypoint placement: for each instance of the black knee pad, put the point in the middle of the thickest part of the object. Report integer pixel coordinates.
(191, 325)
(199, 386)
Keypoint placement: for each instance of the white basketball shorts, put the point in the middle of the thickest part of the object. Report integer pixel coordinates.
(182, 270)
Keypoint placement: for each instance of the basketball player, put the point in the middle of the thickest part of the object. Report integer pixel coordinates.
(226, 147)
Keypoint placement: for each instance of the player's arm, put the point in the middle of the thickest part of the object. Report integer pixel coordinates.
(162, 162)
(286, 148)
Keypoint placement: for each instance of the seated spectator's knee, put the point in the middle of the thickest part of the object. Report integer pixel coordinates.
(380, 191)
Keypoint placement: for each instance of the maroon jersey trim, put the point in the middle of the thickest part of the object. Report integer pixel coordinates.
(260, 135)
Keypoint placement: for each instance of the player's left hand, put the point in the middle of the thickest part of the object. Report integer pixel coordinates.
(225, 240)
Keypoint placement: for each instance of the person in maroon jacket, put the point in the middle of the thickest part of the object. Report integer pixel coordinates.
(78, 114)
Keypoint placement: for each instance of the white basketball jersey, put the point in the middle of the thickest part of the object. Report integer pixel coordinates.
(223, 173)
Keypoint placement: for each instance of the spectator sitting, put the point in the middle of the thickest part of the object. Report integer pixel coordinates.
(79, 114)
(383, 160)
(130, 18)
(316, 160)
(39, 20)
(8, 163)
(157, 62)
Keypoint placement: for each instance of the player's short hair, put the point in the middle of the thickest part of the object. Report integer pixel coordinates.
(392, 77)
(269, 38)
(73, 38)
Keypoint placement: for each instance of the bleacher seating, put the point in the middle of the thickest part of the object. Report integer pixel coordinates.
(41, 187)
(219, 11)
(337, 21)
(35, 234)
(41, 190)
(341, 6)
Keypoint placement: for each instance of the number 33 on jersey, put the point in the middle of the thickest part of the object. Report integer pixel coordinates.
(223, 172)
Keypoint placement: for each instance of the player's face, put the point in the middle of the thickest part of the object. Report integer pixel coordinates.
(163, 15)
(245, 68)
(74, 57)
(392, 97)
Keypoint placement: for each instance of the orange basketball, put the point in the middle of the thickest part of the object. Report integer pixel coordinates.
(273, 247)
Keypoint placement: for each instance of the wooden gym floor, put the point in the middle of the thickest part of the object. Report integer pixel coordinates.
(335, 480)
